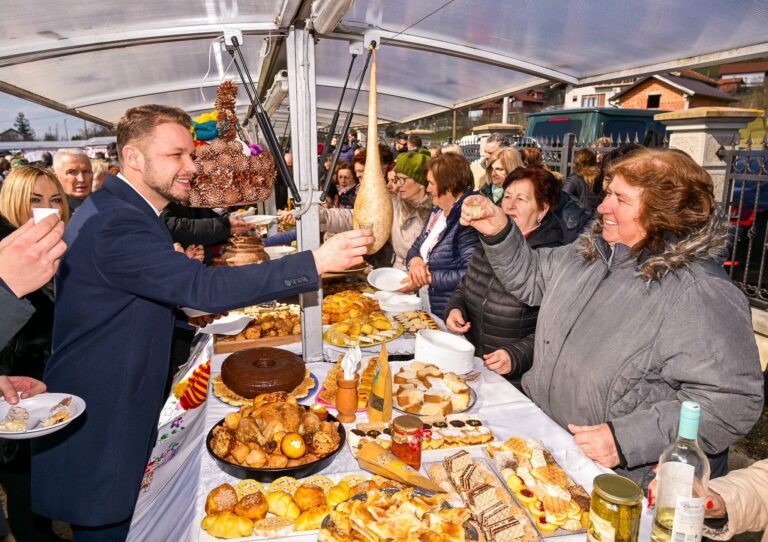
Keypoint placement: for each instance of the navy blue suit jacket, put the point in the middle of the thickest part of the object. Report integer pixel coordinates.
(117, 288)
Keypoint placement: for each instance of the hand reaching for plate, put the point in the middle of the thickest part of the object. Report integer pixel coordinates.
(418, 276)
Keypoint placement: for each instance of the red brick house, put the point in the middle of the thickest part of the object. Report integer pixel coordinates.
(748, 74)
(672, 92)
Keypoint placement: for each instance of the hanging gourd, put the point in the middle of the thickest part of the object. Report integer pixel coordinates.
(373, 205)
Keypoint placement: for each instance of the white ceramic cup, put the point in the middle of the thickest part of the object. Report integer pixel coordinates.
(41, 213)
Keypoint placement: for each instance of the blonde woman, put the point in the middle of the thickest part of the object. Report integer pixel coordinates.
(502, 163)
(26, 188)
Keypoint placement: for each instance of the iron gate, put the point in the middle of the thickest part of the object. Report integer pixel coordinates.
(745, 200)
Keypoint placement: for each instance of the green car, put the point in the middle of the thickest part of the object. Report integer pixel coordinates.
(626, 125)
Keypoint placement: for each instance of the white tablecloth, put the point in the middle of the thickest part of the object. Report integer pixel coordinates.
(174, 509)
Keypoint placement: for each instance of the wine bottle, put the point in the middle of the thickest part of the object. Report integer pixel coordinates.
(682, 483)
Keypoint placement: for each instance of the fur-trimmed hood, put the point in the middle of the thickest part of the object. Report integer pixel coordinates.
(707, 243)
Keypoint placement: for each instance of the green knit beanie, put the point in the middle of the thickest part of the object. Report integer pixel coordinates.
(412, 164)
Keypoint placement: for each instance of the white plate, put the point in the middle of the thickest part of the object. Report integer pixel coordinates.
(244, 212)
(275, 253)
(387, 279)
(259, 220)
(448, 351)
(39, 407)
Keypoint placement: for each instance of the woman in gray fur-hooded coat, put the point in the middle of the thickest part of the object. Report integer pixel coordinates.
(637, 316)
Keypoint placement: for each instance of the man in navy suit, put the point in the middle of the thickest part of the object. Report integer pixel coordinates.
(117, 289)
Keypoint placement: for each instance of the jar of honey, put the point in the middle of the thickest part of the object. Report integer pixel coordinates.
(407, 432)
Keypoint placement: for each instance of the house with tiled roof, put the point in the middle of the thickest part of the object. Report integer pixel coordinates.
(751, 74)
(672, 92)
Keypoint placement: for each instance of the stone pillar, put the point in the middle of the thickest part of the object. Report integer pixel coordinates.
(701, 131)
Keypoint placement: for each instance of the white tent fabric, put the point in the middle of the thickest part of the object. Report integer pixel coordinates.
(95, 59)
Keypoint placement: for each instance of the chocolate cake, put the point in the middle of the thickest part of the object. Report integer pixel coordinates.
(262, 370)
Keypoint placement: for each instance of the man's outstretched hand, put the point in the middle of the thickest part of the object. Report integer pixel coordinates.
(342, 251)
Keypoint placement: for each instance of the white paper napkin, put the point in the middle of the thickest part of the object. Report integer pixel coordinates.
(232, 324)
(351, 362)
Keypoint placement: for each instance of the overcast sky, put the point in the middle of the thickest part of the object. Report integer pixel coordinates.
(40, 117)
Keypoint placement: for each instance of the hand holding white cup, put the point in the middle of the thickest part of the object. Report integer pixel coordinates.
(40, 213)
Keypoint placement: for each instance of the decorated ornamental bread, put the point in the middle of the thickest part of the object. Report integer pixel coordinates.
(470, 482)
(555, 502)
(373, 203)
(452, 431)
(285, 507)
(425, 390)
(328, 390)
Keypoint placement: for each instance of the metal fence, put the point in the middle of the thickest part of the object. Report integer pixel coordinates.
(745, 199)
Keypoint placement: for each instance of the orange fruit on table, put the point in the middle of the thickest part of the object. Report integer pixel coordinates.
(293, 446)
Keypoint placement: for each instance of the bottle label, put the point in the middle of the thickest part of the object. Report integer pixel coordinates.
(600, 530)
(689, 518)
(675, 479)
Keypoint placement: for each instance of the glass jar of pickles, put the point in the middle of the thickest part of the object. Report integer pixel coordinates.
(614, 515)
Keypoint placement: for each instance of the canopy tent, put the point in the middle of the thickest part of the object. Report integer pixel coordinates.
(96, 59)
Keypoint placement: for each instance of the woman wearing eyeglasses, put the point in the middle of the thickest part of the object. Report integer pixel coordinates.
(410, 206)
(502, 163)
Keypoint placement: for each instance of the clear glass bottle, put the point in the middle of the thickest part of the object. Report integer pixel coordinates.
(682, 483)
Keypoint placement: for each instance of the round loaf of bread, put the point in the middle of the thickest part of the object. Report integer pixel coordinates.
(262, 370)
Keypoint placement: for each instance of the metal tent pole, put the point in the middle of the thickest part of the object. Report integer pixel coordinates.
(300, 47)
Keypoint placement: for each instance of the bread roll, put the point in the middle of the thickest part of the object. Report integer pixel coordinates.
(221, 499)
(227, 525)
(312, 518)
(253, 506)
(307, 497)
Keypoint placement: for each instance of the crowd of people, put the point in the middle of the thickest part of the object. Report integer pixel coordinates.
(599, 295)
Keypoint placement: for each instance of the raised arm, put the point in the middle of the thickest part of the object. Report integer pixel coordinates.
(522, 271)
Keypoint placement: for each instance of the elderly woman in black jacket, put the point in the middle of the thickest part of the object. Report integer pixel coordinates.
(499, 325)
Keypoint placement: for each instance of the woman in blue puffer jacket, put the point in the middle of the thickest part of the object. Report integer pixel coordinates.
(441, 254)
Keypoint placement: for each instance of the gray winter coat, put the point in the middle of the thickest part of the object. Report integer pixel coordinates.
(624, 341)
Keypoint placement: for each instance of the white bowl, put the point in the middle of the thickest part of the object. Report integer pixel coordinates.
(396, 302)
(387, 279)
(277, 252)
(449, 352)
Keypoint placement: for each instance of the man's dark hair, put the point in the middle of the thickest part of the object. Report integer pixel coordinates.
(401, 135)
(415, 141)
